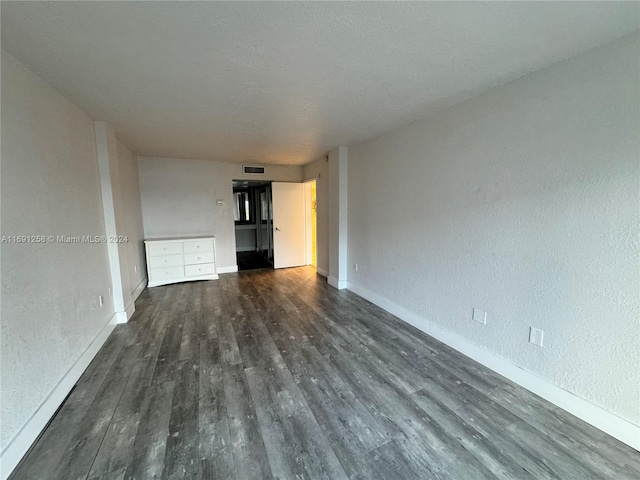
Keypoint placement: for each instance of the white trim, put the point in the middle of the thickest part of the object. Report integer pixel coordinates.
(22, 441)
(231, 269)
(617, 427)
(335, 283)
(308, 222)
(322, 272)
(138, 290)
(124, 317)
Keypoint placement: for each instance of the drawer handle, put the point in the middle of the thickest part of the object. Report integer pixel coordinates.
(197, 246)
(166, 261)
(199, 258)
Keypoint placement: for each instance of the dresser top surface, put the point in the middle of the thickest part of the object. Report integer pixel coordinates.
(179, 239)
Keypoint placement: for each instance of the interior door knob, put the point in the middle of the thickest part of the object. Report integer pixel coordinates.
(277, 229)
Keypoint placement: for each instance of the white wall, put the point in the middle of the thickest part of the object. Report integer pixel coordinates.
(122, 211)
(319, 170)
(50, 186)
(179, 199)
(522, 202)
(52, 322)
(338, 211)
(114, 218)
(132, 222)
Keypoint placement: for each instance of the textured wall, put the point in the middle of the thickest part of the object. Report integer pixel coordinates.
(319, 170)
(179, 199)
(50, 186)
(522, 202)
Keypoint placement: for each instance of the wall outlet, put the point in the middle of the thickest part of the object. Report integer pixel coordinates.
(100, 301)
(220, 203)
(479, 316)
(536, 336)
(355, 267)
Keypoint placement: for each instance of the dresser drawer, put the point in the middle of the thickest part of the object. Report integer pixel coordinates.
(166, 261)
(198, 246)
(195, 258)
(202, 269)
(172, 248)
(159, 274)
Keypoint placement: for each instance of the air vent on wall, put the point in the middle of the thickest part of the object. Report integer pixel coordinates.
(253, 170)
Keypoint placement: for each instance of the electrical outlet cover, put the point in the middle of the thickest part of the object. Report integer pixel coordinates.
(536, 336)
(479, 316)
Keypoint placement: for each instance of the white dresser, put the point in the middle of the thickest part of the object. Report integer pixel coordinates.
(173, 260)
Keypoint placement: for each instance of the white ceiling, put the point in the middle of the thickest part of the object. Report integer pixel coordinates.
(272, 82)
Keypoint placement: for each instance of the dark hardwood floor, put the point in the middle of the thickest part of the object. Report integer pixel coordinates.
(273, 374)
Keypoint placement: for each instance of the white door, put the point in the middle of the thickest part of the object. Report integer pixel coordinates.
(288, 225)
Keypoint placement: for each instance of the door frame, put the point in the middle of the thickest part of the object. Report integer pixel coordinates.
(308, 225)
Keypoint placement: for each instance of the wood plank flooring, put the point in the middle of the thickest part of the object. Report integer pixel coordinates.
(273, 374)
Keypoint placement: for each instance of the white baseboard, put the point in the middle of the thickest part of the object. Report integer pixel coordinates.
(122, 317)
(232, 269)
(617, 427)
(22, 441)
(141, 286)
(335, 283)
(322, 272)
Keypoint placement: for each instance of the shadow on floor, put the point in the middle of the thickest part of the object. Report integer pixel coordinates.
(252, 261)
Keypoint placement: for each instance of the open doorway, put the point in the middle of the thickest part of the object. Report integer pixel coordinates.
(253, 217)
